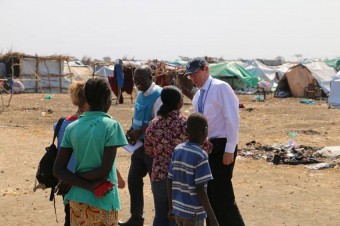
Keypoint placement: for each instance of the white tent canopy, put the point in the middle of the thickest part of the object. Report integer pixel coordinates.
(322, 73)
(105, 71)
(334, 94)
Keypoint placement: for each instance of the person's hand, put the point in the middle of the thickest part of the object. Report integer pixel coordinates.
(228, 158)
(171, 216)
(134, 133)
(62, 188)
(132, 136)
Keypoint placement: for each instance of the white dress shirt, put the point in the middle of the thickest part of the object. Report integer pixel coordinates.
(221, 108)
(158, 103)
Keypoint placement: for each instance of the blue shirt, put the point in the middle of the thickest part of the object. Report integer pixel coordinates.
(60, 136)
(189, 167)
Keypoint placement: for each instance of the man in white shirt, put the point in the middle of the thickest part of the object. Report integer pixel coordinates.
(218, 102)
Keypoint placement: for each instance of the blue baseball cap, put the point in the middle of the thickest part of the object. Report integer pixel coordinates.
(194, 65)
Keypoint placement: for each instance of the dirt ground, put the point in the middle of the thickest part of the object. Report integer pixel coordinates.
(266, 194)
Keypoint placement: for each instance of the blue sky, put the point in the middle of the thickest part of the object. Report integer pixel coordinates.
(164, 29)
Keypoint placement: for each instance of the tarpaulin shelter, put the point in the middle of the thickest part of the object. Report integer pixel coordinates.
(334, 94)
(37, 73)
(334, 63)
(237, 77)
(299, 77)
(322, 73)
(77, 72)
(295, 80)
(271, 74)
(104, 71)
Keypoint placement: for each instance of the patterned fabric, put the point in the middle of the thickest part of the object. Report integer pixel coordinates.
(189, 167)
(85, 215)
(162, 136)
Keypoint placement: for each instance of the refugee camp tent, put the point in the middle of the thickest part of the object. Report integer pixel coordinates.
(297, 79)
(271, 74)
(74, 71)
(237, 77)
(178, 63)
(322, 73)
(334, 63)
(294, 81)
(37, 73)
(334, 94)
(104, 71)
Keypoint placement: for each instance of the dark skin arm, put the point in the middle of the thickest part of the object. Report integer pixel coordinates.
(62, 173)
(132, 134)
(104, 170)
(206, 204)
(95, 176)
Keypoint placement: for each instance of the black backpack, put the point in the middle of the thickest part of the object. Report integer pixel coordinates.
(44, 173)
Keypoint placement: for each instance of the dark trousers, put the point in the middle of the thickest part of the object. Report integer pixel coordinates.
(141, 164)
(220, 189)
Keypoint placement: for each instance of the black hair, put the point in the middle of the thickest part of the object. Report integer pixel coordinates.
(98, 94)
(171, 96)
(144, 70)
(196, 124)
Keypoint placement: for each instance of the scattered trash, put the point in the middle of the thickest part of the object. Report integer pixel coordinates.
(306, 101)
(290, 154)
(259, 98)
(48, 97)
(329, 152)
(319, 166)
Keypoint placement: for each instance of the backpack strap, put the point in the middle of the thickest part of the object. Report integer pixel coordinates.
(57, 128)
(52, 196)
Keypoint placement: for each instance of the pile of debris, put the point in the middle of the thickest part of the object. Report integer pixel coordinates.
(290, 153)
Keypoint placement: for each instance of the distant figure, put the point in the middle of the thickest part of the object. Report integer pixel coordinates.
(189, 173)
(119, 76)
(16, 86)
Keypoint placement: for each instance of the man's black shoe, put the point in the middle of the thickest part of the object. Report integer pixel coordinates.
(132, 222)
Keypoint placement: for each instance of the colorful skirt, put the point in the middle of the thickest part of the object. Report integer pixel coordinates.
(86, 215)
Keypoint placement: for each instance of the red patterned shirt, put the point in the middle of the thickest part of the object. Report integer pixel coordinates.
(161, 138)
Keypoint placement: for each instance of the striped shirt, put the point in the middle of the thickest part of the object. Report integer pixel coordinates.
(189, 167)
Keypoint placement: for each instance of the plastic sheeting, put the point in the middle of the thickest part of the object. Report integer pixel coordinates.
(28, 66)
(334, 95)
(322, 73)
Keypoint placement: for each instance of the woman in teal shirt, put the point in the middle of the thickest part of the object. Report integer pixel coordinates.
(93, 139)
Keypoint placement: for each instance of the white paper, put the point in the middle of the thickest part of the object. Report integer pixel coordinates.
(131, 148)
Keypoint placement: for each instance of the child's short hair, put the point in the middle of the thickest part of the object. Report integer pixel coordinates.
(76, 90)
(196, 122)
(97, 93)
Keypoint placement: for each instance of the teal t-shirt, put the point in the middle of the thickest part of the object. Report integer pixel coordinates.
(88, 136)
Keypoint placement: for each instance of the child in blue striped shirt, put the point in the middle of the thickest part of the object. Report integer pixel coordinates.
(189, 173)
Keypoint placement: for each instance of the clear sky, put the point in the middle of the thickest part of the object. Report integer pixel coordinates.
(166, 29)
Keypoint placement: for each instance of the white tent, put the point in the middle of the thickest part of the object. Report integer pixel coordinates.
(105, 71)
(334, 94)
(271, 74)
(322, 73)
